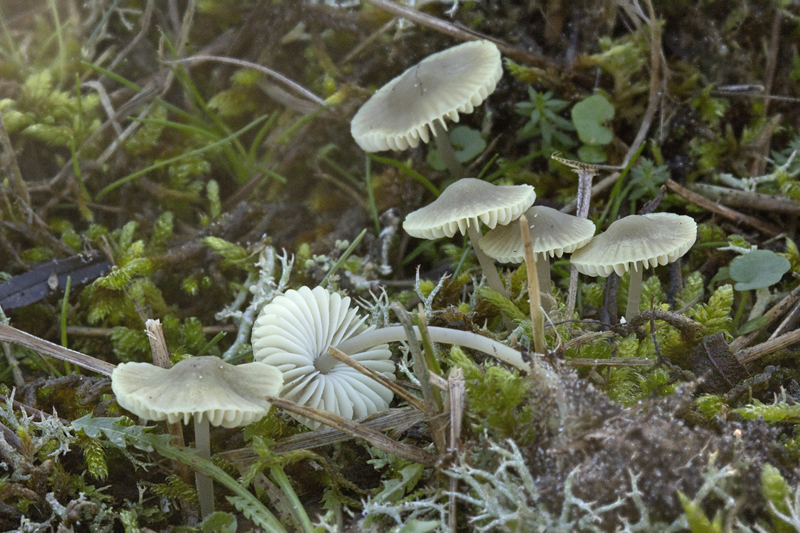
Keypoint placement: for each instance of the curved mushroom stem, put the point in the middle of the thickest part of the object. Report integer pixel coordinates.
(446, 151)
(487, 265)
(467, 339)
(634, 292)
(205, 486)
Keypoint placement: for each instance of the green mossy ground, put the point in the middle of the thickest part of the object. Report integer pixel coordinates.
(191, 178)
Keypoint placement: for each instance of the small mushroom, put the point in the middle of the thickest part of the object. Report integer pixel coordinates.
(293, 334)
(461, 208)
(634, 242)
(206, 388)
(402, 112)
(553, 234)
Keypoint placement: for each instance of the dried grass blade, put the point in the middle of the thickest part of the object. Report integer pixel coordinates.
(380, 378)
(15, 336)
(375, 438)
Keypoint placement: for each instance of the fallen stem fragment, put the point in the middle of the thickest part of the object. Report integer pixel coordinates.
(15, 336)
(379, 440)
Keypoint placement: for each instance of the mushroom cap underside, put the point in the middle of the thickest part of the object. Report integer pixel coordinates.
(553, 234)
(468, 201)
(298, 327)
(447, 83)
(637, 241)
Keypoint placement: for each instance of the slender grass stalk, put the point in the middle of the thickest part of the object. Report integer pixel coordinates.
(373, 208)
(171, 160)
(343, 258)
(408, 171)
(64, 309)
(296, 508)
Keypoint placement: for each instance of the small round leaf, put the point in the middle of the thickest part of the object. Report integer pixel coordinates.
(466, 142)
(589, 116)
(758, 269)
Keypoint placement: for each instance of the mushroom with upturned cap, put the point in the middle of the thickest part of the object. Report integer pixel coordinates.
(634, 243)
(293, 334)
(461, 208)
(442, 85)
(206, 388)
(553, 234)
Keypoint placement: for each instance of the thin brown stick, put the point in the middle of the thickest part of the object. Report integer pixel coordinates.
(725, 212)
(15, 336)
(464, 34)
(611, 361)
(158, 347)
(765, 348)
(379, 440)
(747, 199)
(299, 89)
(383, 421)
(380, 378)
(776, 311)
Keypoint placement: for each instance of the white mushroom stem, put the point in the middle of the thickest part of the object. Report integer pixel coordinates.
(487, 265)
(488, 268)
(543, 270)
(634, 291)
(205, 485)
(467, 339)
(584, 197)
(446, 151)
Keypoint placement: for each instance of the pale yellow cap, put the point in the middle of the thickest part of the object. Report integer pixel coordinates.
(637, 241)
(468, 201)
(442, 85)
(230, 396)
(553, 234)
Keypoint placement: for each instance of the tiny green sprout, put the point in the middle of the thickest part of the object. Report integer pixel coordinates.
(544, 120)
(588, 117)
(758, 269)
(467, 143)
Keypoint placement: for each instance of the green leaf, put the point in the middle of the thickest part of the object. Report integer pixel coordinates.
(590, 153)
(752, 325)
(589, 116)
(466, 142)
(219, 522)
(778, 412)
(394, 489)
(698, 521)
(758, 269)
(115, 430)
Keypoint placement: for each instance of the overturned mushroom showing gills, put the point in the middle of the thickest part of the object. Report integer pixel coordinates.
(293, 334)
(415, 104)
(553, 234)
(206, 388)
(634, 243)
(461, 208)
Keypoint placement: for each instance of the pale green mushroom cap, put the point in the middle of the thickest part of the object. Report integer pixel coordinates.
(553, 234)
(230, 396)
(442, 85)
(466, 202)
(637, 241)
